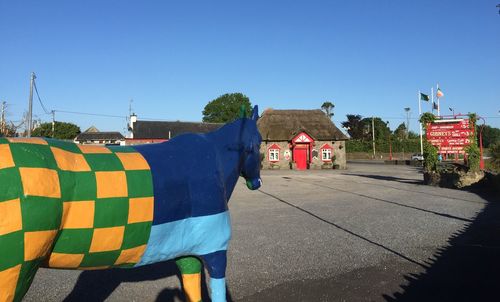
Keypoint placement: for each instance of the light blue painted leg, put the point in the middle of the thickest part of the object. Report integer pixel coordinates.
(216, 266)
(218, 289)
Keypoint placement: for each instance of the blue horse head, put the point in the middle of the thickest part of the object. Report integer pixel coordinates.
(251, 139)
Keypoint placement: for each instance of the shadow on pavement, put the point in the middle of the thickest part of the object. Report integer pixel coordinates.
(359, 236)
(417, 183)
(466, 270)
(389, 178)
(98, 285)
(388, 201)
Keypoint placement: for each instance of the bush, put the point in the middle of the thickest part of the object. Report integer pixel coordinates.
(495, 156)
(408, 145)
(472, 150)
(473, 156)
(426, 118)
(355, 145)
(62, 130)
(430, 157)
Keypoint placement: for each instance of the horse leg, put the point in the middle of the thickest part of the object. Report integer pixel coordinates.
(216, 266)
(21, 254)
(15, 281)
(190, 268)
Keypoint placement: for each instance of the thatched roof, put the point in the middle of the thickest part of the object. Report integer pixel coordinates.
(283, 125)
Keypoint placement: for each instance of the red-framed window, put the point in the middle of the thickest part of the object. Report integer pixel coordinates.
(273, 153)
(326, 152)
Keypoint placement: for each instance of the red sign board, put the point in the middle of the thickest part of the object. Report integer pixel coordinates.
(450, 136)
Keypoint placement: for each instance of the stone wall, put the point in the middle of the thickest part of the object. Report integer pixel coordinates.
(339, 150)
(282, 163)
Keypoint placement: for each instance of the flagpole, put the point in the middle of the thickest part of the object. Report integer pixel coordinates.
(419, 122)
(432, 99)
(439, 107)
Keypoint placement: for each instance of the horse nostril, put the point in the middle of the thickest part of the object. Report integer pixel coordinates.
(254, 184)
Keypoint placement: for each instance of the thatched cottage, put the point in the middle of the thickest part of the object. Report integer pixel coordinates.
(300, 139)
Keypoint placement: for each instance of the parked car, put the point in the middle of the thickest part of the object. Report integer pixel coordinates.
(417, 156)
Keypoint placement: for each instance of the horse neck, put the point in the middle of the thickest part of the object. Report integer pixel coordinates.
(229, 146)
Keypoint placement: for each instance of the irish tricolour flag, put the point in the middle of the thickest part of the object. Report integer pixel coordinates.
(439, 93)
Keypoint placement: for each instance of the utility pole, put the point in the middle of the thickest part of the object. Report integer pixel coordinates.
(373, 136)
(419, 98)
(53, 122)
(2, 118)
(30, 106)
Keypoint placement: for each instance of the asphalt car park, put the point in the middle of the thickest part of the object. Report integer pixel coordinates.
(372, 232)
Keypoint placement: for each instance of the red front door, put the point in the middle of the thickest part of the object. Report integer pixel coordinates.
(300, 157)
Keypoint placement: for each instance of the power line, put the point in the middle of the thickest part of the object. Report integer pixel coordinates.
(72, 112)
(154, 119)
(40, 100)
(413, 118)
(93, 114)
(170, 120)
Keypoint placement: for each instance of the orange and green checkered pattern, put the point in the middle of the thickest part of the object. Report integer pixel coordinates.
(65, 205)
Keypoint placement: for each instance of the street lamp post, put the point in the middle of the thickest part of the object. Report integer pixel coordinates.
(407, 109)
(481, 158)
(452, 110)
(390, 143)
(390, 148)
(373, 136)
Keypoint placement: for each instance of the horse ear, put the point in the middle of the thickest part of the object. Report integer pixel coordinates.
(255, 113)
(243, 111)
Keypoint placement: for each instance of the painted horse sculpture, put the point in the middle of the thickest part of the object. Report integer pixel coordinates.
(72, 206)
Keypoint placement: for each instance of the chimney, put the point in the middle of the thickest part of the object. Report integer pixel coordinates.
(133, 120)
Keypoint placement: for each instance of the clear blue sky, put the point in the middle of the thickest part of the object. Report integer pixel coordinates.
(368, 57)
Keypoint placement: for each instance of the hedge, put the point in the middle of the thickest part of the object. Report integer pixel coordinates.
(408, 145)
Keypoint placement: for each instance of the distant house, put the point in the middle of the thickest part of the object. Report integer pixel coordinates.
(144, 132)
(96, 137)
(300, 139)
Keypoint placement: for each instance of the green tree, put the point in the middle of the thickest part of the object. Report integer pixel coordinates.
(327, 107)
(9, 129)
(226, 108)
(382, 131)
(354, 126)
(491, 135)
(62, 130)
(495, 156)
(413, 135)
(400, 131)
(427, 118)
